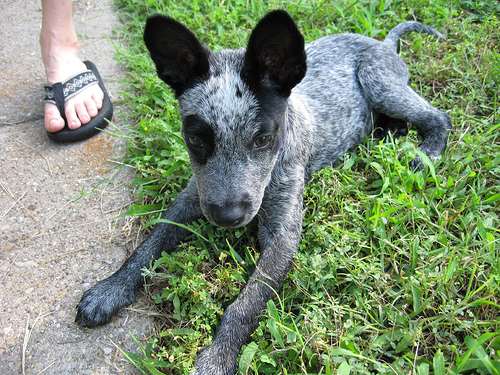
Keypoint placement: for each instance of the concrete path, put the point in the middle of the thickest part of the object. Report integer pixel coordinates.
(54, 246)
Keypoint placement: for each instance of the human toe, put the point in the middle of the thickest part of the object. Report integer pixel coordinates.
(98, 98)
(92, 109)
(53, 121)
(74, 112)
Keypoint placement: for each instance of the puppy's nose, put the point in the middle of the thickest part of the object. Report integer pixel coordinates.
(230, 215)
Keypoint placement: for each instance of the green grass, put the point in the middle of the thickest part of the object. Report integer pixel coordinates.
(398, 272)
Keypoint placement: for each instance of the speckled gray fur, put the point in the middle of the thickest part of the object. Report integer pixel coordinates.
(257, 125)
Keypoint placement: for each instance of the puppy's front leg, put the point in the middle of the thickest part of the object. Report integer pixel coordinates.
(279, 232)
(101, 302)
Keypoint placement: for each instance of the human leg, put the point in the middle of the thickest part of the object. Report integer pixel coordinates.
(59, 46)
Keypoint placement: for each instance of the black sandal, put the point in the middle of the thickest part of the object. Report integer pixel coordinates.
(59, 92)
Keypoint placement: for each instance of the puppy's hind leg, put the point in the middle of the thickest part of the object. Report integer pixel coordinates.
(432, 124)
(388, 128)
(398, 101)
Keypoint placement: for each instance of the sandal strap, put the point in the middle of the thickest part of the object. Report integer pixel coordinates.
(65, 90)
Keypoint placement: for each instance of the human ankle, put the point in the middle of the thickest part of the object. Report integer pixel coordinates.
(58, 53)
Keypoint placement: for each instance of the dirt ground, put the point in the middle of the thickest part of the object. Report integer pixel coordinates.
(54, 246)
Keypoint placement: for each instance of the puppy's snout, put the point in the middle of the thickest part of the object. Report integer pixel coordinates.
(230, 215)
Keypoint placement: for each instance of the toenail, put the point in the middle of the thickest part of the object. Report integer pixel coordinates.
(54, 123)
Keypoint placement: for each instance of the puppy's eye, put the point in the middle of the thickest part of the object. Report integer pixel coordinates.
(262, 141)
(195, 142)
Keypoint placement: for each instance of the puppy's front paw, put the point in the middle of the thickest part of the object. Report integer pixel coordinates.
(102, 301)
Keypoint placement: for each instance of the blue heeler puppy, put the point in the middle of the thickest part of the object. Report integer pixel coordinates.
(257, 123)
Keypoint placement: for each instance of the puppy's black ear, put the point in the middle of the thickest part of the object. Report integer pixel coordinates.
(178, 55)
(275, 55)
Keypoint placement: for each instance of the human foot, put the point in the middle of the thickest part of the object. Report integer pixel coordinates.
(80, 108)
(82, 100)
(61, 93)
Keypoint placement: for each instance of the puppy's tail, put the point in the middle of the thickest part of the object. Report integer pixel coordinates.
(397, 32)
